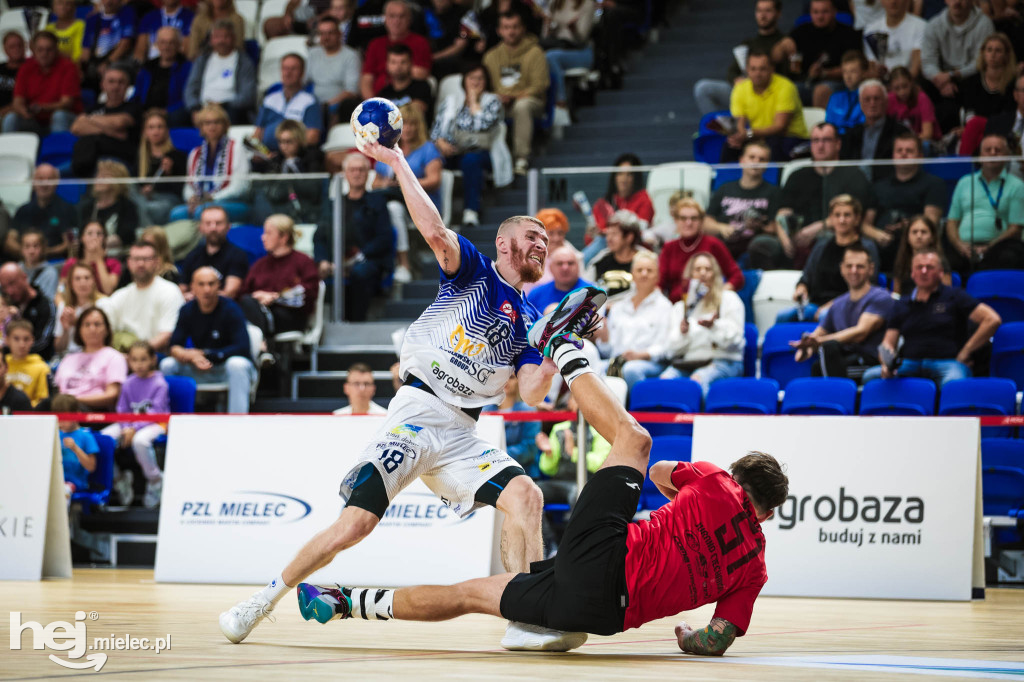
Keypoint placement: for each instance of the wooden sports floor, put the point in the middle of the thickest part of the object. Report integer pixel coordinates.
(789, 639)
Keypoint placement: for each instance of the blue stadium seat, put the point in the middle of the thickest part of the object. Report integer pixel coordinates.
(55, 149)
(666, 395)
(825, 395)
(1006, 452)
(1001, 289)
(185, 139)
(743, 396)
(249, 238)
(1008, 353)
(181, 394)
(102, 479)
(1002, 477)
(899, 396)
(777, 357)
(672, 448)
(750, 350)
(981, 396)
(950, 173)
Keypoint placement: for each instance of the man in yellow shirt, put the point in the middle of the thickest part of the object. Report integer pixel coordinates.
(69, 29)
(26, 371)
(766, 105)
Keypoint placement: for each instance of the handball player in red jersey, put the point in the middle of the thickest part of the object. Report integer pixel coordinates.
(611, 574)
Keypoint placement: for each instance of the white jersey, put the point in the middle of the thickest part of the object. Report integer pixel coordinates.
(469, 341)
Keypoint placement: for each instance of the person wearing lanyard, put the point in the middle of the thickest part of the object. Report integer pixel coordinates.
(987, 213)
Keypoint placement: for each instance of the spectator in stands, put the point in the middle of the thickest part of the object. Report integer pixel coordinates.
(109, 36)
(490, 17)
(281, 288)
(300, 18)
(14, 51)
(467, 131)
(218, 169)
(743, 210)
(334, 70)
(41, 275)
(110, 129)
(69, 29)
(110, 205)
(933, 322)
(566, 43)
(713, 95)
(626, 191)
(146, 309)
(565, 266)
(397, 23)
(451, 48)
(94, 374)
(144, 392)
(922, 233)
(986, 214)
(904, 35)
(873, 138)
(843, 110)
(105, 269)
(520, 73)
(210, 15)
(689, 217)
(360, 388)
(47, 211)
(25, 301)
(161, 81)
(907, 192)
(158, 157)
(222, 74)
(9, 247)
(26, 370)
(46, 92)
(822, 280)
(1010, 124)
(78, 448)
(556, 224)
(210, 342)
(989, 91)
(290, 102)
(215, 251)
(11, 398)
(951, 44)
(911, 106)
(767, 106)
(400, 87)
(342, 12)
(808, 191)
(819, 46)
(706, 332)
(624, 240)
(636, 322)
(165, 267)
(369, 240)
(79, 291)
(302, 199)
(170, 15)
(845, 342)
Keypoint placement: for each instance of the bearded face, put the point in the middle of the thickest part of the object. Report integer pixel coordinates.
(527, 259)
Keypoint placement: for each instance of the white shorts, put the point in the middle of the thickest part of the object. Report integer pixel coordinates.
(425, 437)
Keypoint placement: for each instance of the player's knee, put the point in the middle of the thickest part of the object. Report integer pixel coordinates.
(634, 438)
(347, 532)
(526, 499)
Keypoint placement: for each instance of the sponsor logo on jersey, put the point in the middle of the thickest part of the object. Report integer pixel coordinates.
(484, 467)
(474, 369)
(507, 308)
(408, 430)
(451, 381)
(464, 345)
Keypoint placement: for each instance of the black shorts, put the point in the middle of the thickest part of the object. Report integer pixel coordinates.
(583, 589)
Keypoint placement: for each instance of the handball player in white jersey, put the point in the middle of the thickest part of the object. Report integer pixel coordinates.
(455, 359)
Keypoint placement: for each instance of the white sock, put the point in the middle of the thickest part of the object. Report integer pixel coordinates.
(275, 590)
(571, 360)
(371, 603)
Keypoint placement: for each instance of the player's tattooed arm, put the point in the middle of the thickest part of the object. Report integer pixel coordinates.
(711, 641)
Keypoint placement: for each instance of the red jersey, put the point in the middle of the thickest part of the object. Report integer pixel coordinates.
(673, 259)
(39, 87)
(704, 546)
(376, 58)
(638, 202)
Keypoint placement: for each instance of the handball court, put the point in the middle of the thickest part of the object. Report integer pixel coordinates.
(790, 639)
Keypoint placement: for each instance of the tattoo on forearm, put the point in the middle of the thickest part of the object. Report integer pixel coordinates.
(712, 640)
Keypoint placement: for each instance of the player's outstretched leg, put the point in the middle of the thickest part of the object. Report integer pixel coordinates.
(575, 314)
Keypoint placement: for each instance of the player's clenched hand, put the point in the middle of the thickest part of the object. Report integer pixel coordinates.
(379, 152)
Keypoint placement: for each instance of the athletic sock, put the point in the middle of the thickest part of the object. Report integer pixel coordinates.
(567, 352)
(371, 603)
(275, 590)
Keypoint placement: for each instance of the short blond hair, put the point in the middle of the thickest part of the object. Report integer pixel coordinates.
(688, 202)
(284, 225)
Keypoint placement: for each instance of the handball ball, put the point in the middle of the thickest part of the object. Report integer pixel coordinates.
(377, 119)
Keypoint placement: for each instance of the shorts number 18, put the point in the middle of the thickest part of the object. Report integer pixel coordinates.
(391, 459)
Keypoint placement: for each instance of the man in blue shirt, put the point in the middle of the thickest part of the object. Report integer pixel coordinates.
(217, 252)
(292, 102)
(211, 344)
(108, 39)
(933, 321)
(171, 14)
(565, 268)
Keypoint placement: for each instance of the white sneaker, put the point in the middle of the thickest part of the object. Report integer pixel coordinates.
(237, 622)
(470, 217)
(402, 274)
(124, 486)
(152, 497)
(522, 165)
(525, 637)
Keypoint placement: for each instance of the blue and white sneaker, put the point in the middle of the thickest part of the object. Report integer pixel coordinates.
(575, 314)
(324, 603)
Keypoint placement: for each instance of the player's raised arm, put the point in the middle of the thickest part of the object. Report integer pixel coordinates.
(442, 241)
(711, 641)
(661, 476)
